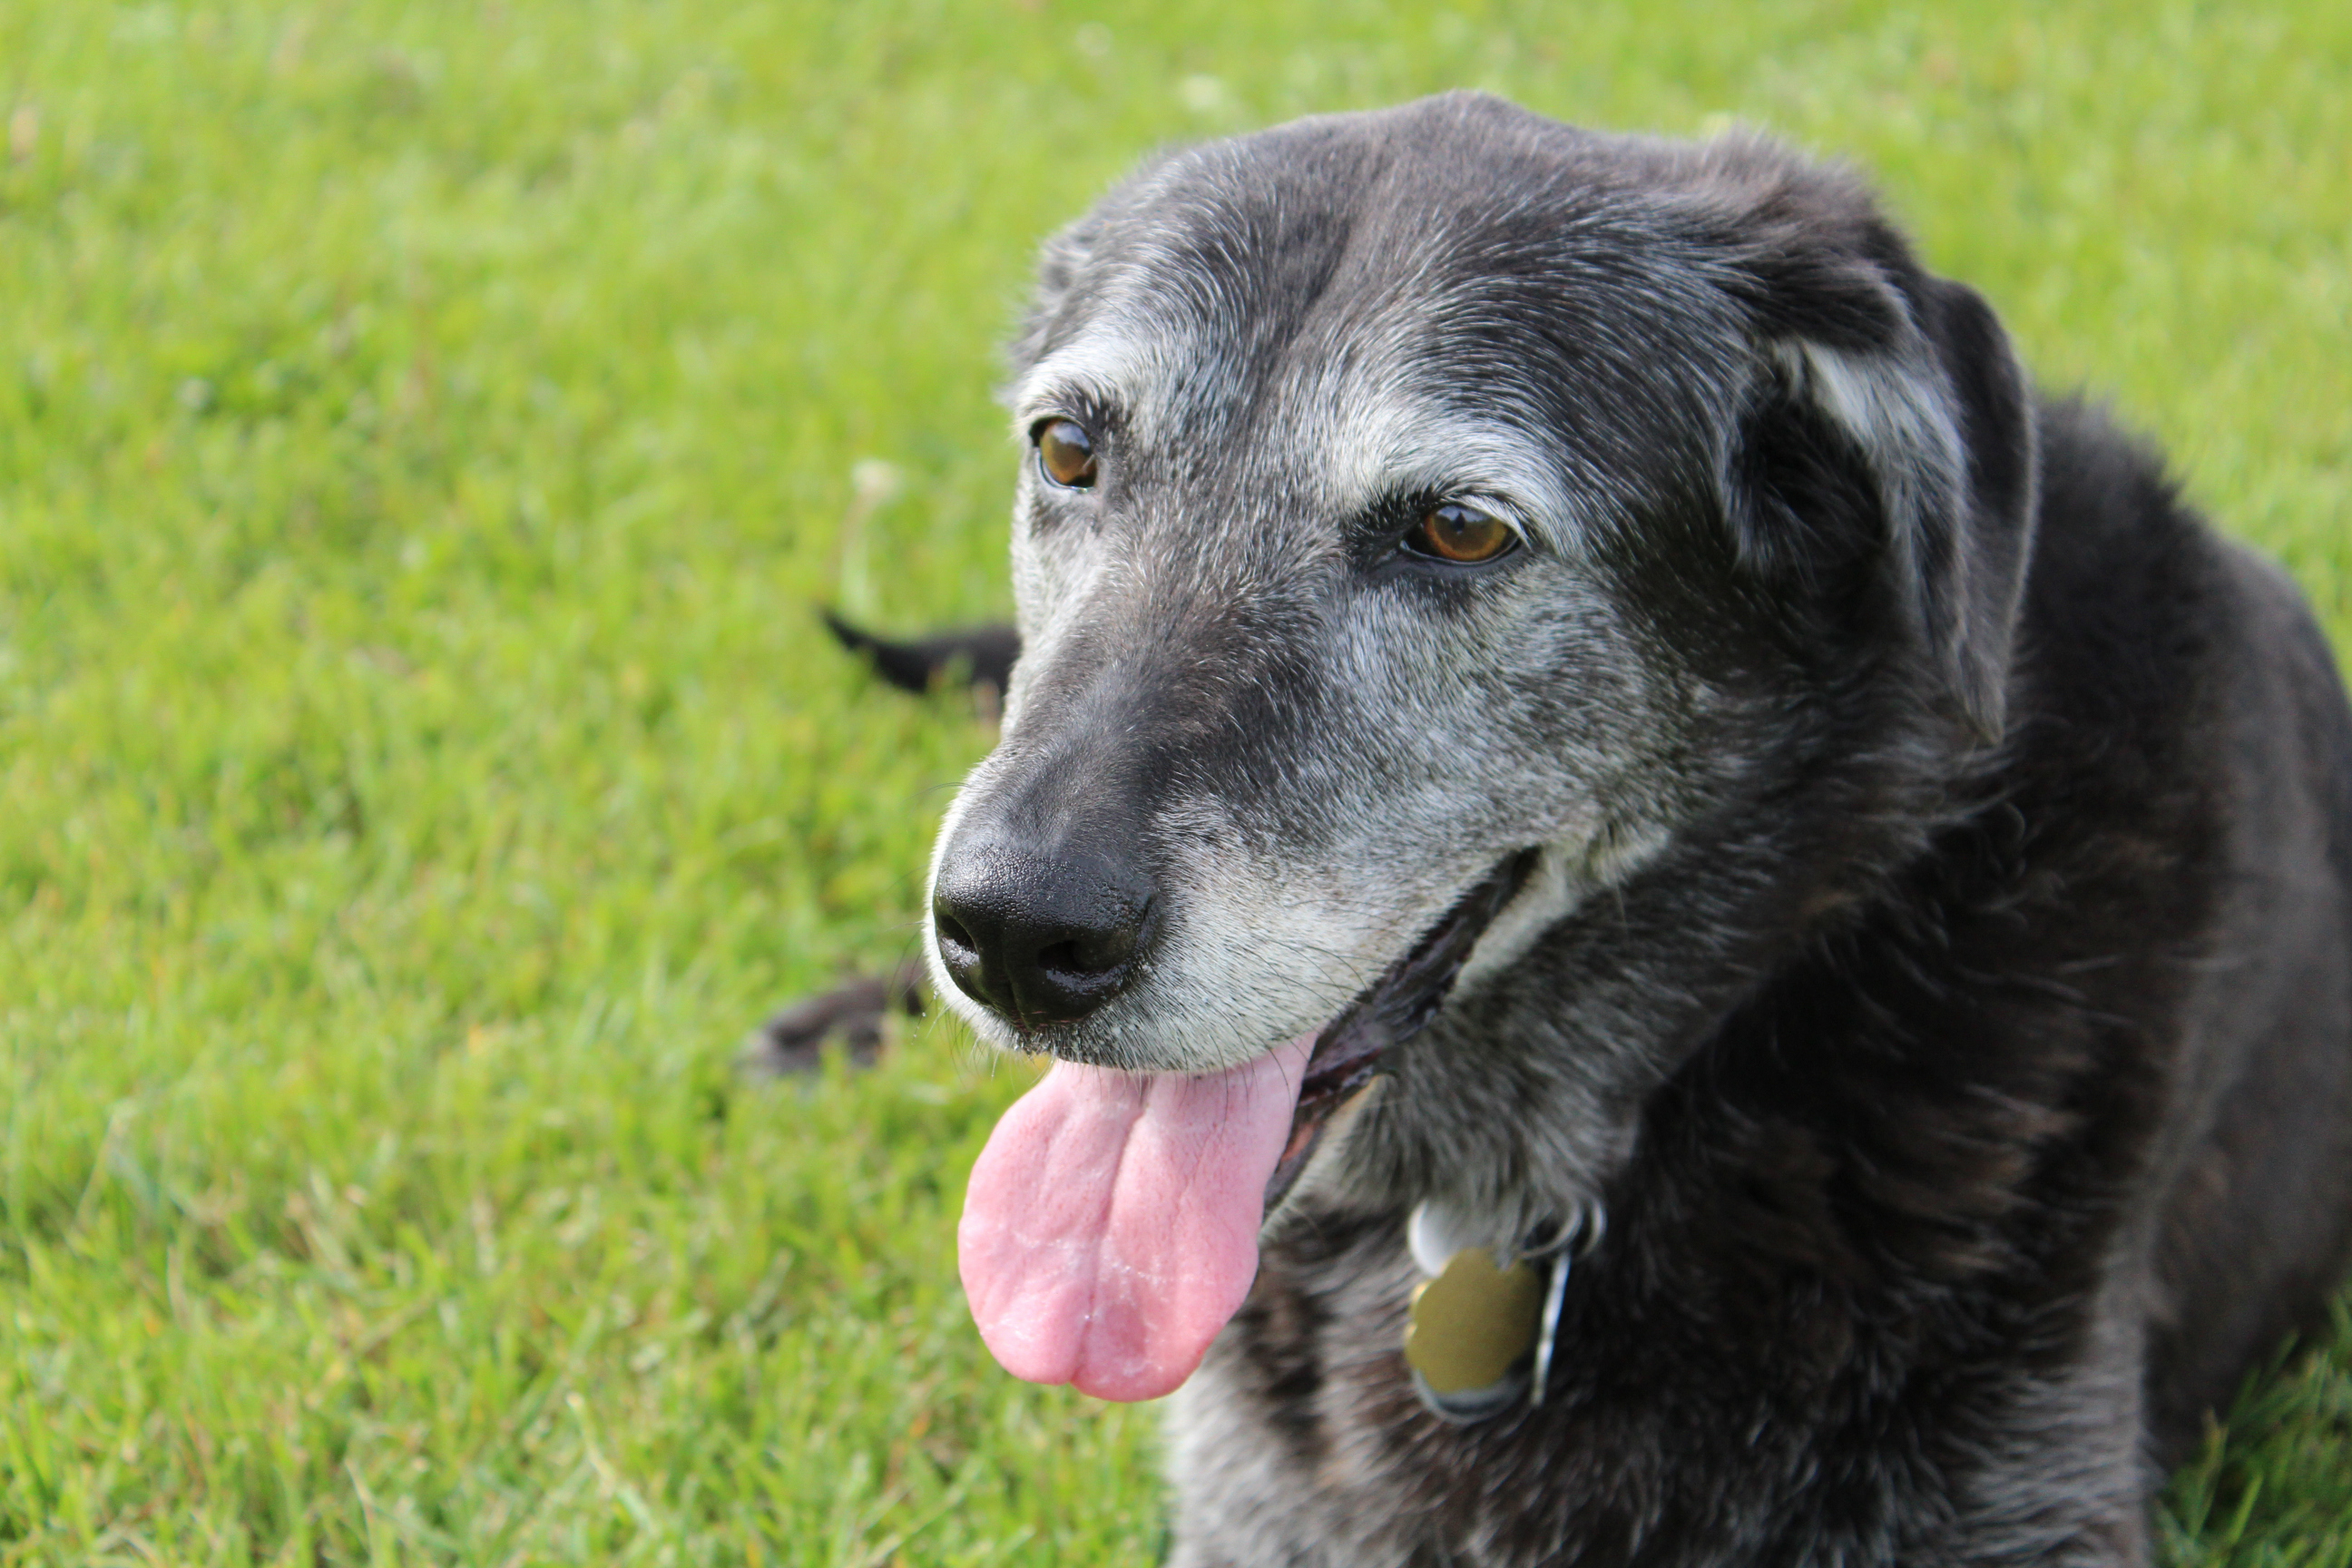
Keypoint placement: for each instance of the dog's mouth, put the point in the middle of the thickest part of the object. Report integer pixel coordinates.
(1110, 1226)
(1391, 1011)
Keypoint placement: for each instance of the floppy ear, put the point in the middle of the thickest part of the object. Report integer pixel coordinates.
(1059, 262)
(1917, 381)
(1064, 258)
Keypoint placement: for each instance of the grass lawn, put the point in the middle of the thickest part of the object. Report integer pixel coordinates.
(422, 431)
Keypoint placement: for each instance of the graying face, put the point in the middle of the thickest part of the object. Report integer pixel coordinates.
(1767, 487)
(1264, 730)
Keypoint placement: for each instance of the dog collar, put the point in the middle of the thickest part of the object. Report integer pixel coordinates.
(1481, 1330)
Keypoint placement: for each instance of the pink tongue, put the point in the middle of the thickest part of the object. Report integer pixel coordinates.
(1111, 1223)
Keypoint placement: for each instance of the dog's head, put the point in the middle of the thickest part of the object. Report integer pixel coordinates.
(1410, 487)
(1406, 490)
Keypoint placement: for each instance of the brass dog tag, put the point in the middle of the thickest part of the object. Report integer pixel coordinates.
(1473, 1323)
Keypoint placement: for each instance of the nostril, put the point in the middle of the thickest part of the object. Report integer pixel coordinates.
(952, 935)
(1093, 955)
(1065, 958)
(960, 950)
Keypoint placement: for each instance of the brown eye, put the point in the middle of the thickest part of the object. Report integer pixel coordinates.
(1457, 533)
(1067, 453)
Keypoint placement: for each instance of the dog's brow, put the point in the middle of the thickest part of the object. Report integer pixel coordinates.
(1103, 370)
(1388, 446)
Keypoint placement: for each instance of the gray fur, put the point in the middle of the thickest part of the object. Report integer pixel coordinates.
(1770, 683)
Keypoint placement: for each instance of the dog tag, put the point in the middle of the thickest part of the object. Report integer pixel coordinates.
(1469, 1329)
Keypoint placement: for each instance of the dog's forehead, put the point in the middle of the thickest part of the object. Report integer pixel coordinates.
(1411, 324)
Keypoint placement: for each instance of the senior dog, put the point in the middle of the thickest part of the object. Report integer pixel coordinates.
(1678, 923)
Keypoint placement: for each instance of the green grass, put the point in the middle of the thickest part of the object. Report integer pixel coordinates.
(421, 431)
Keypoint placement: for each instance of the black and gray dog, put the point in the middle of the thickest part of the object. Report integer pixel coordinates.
(1597, 782)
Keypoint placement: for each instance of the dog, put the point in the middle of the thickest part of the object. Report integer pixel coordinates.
(1678, 923)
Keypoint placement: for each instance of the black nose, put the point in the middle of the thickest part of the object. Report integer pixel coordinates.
(1040, 938)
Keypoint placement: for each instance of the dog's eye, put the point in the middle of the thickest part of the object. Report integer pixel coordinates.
(1458, 532)
(1066, 454)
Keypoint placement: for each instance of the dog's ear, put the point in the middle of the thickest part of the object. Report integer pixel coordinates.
(1062, 261)
(1869, 362)
(1059, 263)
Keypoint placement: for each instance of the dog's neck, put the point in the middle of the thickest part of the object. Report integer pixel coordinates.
(1522, 1101)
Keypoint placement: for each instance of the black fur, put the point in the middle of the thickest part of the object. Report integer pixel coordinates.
(974, 656)
(793, 1039)
(1951, 1011)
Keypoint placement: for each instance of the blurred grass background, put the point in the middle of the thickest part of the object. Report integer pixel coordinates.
(422, 431)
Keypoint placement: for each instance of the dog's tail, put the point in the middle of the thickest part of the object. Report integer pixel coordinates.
(975, 655)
